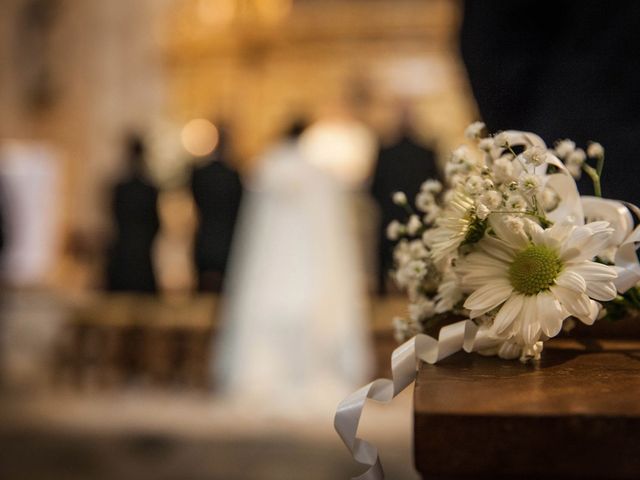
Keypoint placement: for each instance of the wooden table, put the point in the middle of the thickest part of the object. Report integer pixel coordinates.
(574, 414)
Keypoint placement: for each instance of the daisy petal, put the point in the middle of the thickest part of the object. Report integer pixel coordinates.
(497, 248)
(570, 279)
(594, 310)
(550, 314)
(487, 297)
(507, 313)
(603, 291)
(577, 304)
(530, 327)
(592, 271)
(503, 232)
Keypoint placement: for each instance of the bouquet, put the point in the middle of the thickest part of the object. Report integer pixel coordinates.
(512, 246)
(509, 249)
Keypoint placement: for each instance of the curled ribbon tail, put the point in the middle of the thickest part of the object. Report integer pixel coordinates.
(404, 360)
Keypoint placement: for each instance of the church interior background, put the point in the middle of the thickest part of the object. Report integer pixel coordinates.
(75, 76)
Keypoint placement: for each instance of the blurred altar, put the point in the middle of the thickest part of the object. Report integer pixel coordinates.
(104, 381)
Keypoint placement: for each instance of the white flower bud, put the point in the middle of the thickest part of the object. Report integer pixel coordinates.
(574, 162)
(394, 230)
(474, 130)
(564, 148)
(486, 144)
(595, 150)
(399, 198)
(424, 201)
(431, 214)
(577, 157)
(414, 225)
(431, 186)
(501, 140)
(482, 212)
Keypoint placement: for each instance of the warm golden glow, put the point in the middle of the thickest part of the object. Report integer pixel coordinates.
(199, 137)
(272, 11)
(216, 12)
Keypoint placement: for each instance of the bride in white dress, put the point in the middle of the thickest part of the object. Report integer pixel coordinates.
(294, 333)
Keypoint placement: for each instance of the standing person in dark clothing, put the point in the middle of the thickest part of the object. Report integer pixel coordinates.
(217, 192)
(135, 212)
(2, 222)
(561, 68)
(402, 166)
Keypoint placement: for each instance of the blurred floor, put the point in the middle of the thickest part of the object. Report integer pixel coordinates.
(142, 431)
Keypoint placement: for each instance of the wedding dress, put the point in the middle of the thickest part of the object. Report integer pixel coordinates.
(293, 325)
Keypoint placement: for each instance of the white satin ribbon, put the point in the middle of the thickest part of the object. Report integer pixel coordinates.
(404, 360)
(625, 238)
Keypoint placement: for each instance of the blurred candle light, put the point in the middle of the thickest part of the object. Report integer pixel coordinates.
(199, 137)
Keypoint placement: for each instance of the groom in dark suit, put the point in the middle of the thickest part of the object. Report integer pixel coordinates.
(401, 166)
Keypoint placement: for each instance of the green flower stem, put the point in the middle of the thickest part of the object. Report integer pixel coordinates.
(407, 208)
(595, 176)
(600, 165)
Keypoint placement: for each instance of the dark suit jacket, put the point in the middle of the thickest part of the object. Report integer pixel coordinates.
(217, 192)
(135, 211)
(403, 166)
(563, 69)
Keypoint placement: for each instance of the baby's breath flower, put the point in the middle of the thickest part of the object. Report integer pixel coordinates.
(422, 309)
(492, 199)
(529, 184)
(501, 140)
(412, 271)
(474, 130)
(424, 201)
(431, 186)
(431, 214)
(516, 202)
(564, 148)
(394, 230)
(417, 249)
(487, 184)
(459, 155)
(503, 169)
(457, 179)
(574, 162)
(595, 150)
(486, 144)
(474, 185)
(413, 225)
(549, 200)
(515, 224)
(399, 198)
(535, 156)
(482, 212)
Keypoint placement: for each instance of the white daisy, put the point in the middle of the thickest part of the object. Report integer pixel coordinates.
(452, 228)
(536, 278)
(449, 293)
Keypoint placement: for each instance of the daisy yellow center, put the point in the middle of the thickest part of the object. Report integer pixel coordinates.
(534, 270)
